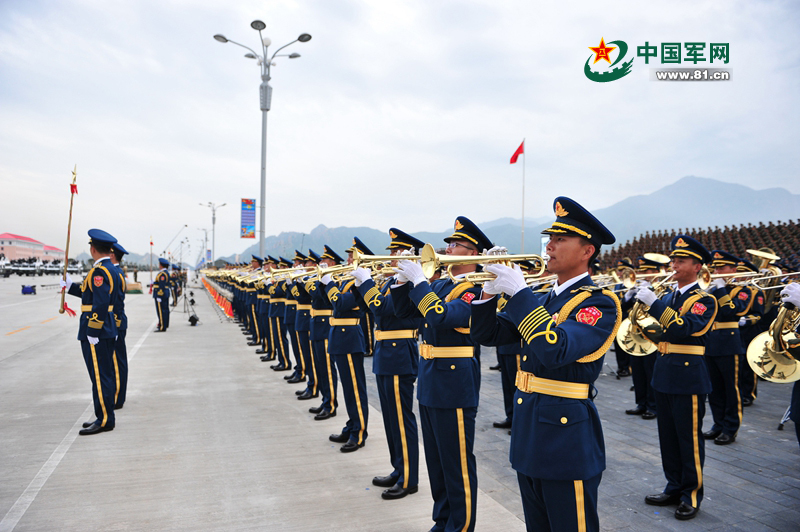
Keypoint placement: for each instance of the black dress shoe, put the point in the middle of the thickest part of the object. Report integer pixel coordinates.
(624, 373)
(505, 424)
(384, 482)
(397, 492)
(497, 367)
(685, 512)
(649, 415)
(307, 395)
(290, 377)
(281, 367)
(339, 438)
(746, 401)
(265, 358)
(351, 446)
(724, 439)
(711, 434)
(638, 411)
(300, 392)
(119, 407)
(260, 351)
(296, 379)
(315, 409)
(87, 424)
(159, 330)
(662, 499)
(324, 415)
(253, 343)
(95, 428)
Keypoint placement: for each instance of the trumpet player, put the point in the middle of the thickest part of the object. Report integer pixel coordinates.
(395, 364)
(277, 311)
(723, 351)
(790, 295)
(302, 326)
(321, 312)
(557, 443)
(449, 375)
(680, 376)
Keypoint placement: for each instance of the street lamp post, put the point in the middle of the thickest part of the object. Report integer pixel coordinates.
(213, 208)
(265, 99)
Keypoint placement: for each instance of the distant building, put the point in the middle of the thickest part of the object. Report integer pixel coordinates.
(21, 247)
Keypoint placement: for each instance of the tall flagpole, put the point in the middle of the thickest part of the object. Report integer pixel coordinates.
(522, 245)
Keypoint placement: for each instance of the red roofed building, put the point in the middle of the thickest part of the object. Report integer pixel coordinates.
(21, 247)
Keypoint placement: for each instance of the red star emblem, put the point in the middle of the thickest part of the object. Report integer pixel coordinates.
(602, 51)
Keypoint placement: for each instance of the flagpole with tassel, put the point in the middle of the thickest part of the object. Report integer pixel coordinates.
(73, 189)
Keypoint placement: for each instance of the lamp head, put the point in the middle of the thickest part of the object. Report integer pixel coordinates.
(250, 56)
(294, 56)
(220, 38)
(257, 25)
(304, 37)
(266, 41)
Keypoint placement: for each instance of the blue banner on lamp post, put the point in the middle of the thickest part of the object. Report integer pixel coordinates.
(248, 218)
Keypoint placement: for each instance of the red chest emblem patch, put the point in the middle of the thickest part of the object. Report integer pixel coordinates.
(742, 295)
(98, 280)
(760, 300)
(698, 308)
(589, 316)
(468, 296)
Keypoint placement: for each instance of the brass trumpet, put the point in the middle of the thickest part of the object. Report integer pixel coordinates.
(431, 261)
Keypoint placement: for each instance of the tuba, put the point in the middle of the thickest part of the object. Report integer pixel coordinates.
(774, 354)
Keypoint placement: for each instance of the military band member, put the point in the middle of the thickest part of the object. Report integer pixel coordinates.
(255, 331)
(99, 292)
(302, 327)
(557, 445)
(289, 316)
(277, 307)
(680, 377)
(120, 356)
(449, 375)
(161, 290)
(394, 364)
(321, 312)
(347, 345)
(724, 350)
(622, 357)
(642, 366)
(750, 325)
(790, 295)
(262, 315)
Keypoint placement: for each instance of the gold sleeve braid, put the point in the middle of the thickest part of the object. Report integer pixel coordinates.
(697, 295)
(573, 303)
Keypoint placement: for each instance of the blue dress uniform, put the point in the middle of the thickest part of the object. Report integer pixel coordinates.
(277, 304)
(289, 316)
(120, 356)
(346, 344)
(623, 358)
(262, 316)
(509, 357)
(99, 291)
(395, 363)
(751, 328)
(255, 328)
(161, 290)
(557, 445)
(449, 386)
(681, 381)
(723, 354)
(302, 326)
(642, 366)
(321, 312)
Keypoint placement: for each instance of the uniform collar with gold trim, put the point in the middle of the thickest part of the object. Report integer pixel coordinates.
(559, 288)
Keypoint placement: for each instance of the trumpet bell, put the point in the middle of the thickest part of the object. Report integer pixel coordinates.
(771, 364)
(631, 338)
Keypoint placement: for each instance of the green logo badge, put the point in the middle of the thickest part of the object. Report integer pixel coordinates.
(603, 52)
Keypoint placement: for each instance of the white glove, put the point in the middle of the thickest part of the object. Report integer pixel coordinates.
(323, 265)
(399, 276)
(509, 280)
(643, 283)
(497, 250)
(791, 294)
(411, 251)
(93, 340)
(492, 287)
(412, 271)
(158, 299)
(67, 283)
(646, 296)
(742, 321)
(718, 283)
(630, 293)
(361, 275)
(326, 279)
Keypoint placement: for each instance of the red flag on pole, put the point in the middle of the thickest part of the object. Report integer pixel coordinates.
(517, 153)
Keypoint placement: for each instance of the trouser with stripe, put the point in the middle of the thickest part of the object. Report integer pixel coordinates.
(162, 311)
(299, 366)
(327, 376)
(559, 504)
(264, 327)
(100, 364)
(508, 375)
(354, 391)
(683, 451)
(747, 380)
(396, 394)
(642, 373)
(255, 327)
(309, 365)
(448, 435)
(724, 399)
(279, 343)
(120, 359)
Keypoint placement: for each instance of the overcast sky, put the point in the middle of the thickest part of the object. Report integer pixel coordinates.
(398, 113)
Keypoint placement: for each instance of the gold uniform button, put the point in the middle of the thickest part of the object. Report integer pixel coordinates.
(426, 325)
(519, 401)
(453, 366)
(342, 329)
(685, 363)
(394, 344)
(563, 421)
(525, 358)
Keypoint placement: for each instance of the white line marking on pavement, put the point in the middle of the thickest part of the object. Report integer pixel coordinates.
(16, 512)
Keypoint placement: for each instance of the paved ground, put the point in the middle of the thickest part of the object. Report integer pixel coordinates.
(211, 439)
